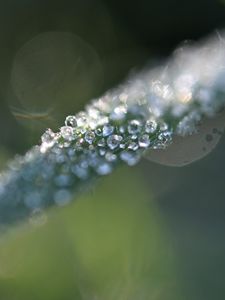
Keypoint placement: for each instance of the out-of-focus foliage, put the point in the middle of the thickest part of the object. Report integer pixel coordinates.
(112, 244)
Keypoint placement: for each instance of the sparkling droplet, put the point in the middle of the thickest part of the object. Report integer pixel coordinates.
(67, 133)
(101, 143)
(89, 137)
(122, 145)
(79, 144)
(113, 141)
(102, 151)
(110, 157)
(107, 130)
(81, 119)
(134, 127)
(71, 121)
(48, 140)
(133, 146)
(119, 113)
(48, 137)
(80, 172)
(134, 137)
(150, 126)
(104, 169)
(163, 126)
(144, 141)
(130, 157)
(98, 131)
(122, 129)
(164, 139)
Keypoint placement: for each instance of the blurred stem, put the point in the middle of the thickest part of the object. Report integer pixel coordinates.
(143, 113)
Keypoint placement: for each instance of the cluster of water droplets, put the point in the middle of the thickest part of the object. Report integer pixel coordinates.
(117, 128)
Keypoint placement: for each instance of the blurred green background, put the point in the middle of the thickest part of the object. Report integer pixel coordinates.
(151, 232)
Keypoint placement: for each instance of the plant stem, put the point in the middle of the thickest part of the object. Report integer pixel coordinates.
(145, 112)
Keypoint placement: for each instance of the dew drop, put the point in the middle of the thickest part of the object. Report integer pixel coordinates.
(71, 121)
(48, 140)
(81, 119)
(150, 126)
(98, 131)
(101, 143)
(113, 141)
(104, 169)
(134, 127)
(80, 172)
(67, 133)
(102, 151)
(144, 141)
(107, 130)
(130, 157)
(110, 157)
(119, 113)
(89, 137)
(133, 146)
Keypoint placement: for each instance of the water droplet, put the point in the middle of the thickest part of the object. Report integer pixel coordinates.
(113, 141)
(130, 157)
(110, 157)
(80, 171)
(81, 119)
(98, 131)
(122, 145)
(150, 126)
(163, 126)
(71, 121)
(104, 169)
(102, 151)
(134, 127)
(107, 130)
(133, 146)
(101, 143)
(144, 141)
(134, 137)
(164, 139)
(48, 137)
(89, 137)
(119, 113)
(79, 145)
(122, 129)
(48, 140)
(67, 133)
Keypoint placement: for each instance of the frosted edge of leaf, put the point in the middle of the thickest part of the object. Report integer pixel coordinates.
(186, 150)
